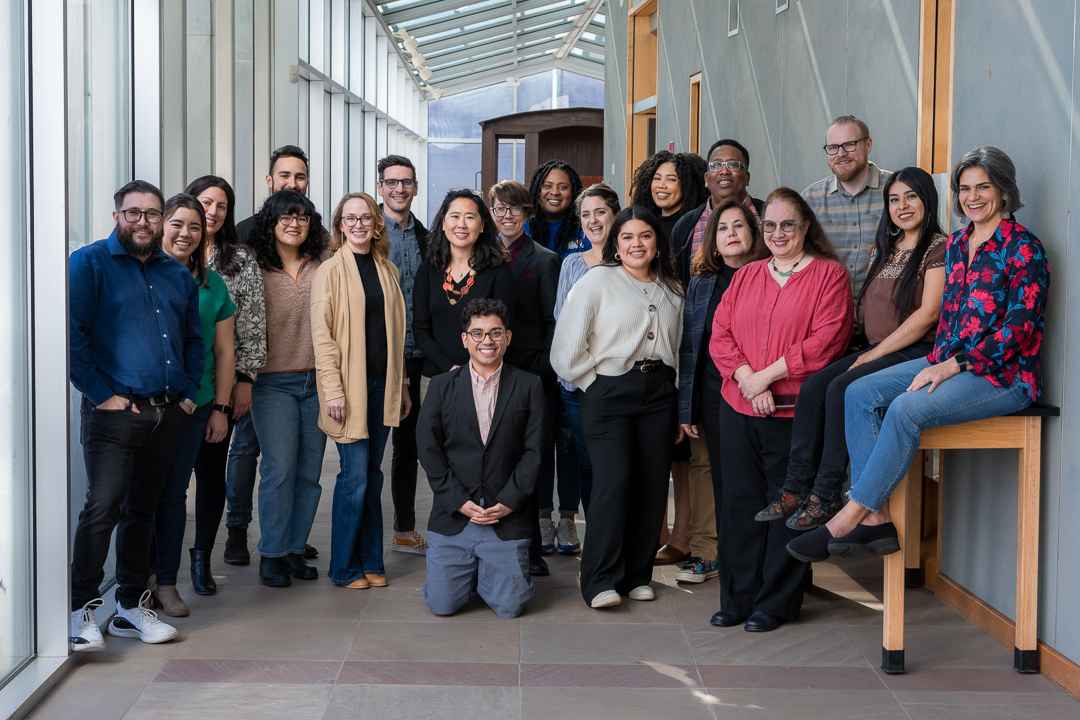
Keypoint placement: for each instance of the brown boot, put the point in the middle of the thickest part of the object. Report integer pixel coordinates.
(170, 601)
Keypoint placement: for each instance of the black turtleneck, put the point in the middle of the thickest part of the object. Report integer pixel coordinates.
(374, 317)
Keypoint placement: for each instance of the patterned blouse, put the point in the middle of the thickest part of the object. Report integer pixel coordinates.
(994, 311)
(246, 290)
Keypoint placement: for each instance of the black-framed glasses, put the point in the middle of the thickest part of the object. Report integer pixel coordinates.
(300, 220)
(134, 215)
(392, 183)
(364, 220)
(507, 210)
(732, 165)
(787, 226)
(478, 335)
(849, 146)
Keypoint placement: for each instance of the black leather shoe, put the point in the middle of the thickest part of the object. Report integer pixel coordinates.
(538, 567)
(300, 569)
(202, 580)
(274, 572)
(310, 552)
(761, 621)
(236, 549)
(723, 618)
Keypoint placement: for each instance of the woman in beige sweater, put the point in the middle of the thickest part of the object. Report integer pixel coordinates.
(358, 330)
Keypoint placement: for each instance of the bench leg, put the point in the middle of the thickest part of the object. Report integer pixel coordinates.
(892, 645)
(1026, 648)
(912, 538)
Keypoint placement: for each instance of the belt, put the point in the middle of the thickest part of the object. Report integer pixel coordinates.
(159, 400)
(649, 366)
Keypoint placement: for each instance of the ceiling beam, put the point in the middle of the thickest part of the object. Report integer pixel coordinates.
(490, 77)
(472, 36)
(581, 66)
(580, 24)
(448, 59)
(458, 20)
(495, 61)
(415, 12)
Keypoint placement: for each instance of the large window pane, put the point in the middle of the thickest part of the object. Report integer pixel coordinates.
(534, 92)
(580, 90)
(459, 116)
(451, 165)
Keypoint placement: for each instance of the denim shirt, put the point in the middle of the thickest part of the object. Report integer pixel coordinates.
(405, 254)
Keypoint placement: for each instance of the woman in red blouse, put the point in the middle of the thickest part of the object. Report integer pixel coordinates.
(782, 319)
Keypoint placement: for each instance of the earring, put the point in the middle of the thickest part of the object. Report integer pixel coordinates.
(617, 256)
(895, 232)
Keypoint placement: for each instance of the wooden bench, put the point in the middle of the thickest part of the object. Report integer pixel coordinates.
(1021, 431)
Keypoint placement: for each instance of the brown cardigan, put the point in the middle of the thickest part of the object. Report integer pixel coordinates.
(337, 332)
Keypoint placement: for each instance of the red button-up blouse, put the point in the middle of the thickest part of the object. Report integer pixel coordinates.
(807, 322)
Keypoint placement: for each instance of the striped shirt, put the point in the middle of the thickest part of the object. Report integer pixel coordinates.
(850, 221)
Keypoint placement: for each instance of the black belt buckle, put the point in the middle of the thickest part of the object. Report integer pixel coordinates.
(648, 366)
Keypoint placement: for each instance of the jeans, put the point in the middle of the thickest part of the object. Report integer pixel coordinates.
(240, 472)
(356, 530)
(126, 456)
(572, 457)
(883, 421)
(476, 559)
(403, 462)
(210, 490)
(819, 455)
(286, 413)
(171, 518)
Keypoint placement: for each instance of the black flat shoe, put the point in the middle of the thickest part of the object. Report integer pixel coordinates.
(274, 572)
(811, 546)
(300, 569)
(538, 567)
(723, 618)
(878, 539)
(761, 621)
(310, 552)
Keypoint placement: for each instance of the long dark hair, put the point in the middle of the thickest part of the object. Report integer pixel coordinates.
(538, 224)
(487, 253)
(888, 234)
(196, 263)
(707, 260)
(663, 264)
(286, 202)
(226, 240)
(817, 242)
(691, 171)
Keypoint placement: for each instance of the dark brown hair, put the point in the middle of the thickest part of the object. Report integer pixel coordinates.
(512, 193)
(707, 260)
(196, 263)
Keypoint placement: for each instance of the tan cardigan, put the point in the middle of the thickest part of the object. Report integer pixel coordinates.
(337, 332)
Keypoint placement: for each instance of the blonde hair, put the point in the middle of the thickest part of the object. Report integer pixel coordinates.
(379, 246)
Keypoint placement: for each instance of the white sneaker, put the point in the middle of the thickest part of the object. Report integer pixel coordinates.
(141, 622)
(83, 631)
(642, 592)
(547, 535)
(566, 537)
(605, 599)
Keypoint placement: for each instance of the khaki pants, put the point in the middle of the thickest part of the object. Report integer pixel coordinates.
(694, 529)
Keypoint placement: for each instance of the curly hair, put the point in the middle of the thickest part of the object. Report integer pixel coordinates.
(197, 262)
(691, 171)
(286, 202)
(486, 253)
(226, 240)
(570, 229)
(816, 243)
(483, 307)
(379, 245)
(663, 263)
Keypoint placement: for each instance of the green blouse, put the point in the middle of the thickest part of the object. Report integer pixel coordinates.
(215, 305)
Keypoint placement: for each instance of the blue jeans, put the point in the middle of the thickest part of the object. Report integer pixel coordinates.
(240, 472)
(286, 414)
(477, 560)
(171, 517)
(883, 421)
(356, 528)
(570, 450)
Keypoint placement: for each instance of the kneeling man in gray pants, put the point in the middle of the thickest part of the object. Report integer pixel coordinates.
(479, 440)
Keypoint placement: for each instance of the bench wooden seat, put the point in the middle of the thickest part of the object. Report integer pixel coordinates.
(1021, 431)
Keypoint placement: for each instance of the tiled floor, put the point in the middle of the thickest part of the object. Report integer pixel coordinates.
(318, 652)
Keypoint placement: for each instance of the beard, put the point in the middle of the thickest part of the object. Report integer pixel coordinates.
(126, 235)
(850, 171)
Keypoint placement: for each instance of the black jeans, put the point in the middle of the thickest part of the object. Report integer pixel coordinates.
(127, 456)
(210, 490)
(749, 460)
(569, 494)
(819, 456)
(403, 461)
(629, 423)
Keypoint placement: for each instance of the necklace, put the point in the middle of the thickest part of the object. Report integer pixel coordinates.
(456, 290)
(786, 273)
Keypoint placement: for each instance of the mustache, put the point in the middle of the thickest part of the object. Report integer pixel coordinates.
(126, 235)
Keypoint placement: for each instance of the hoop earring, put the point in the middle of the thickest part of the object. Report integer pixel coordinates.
(617, 256)
(896, 232)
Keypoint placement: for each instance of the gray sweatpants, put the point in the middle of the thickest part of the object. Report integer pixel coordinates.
(476, 559)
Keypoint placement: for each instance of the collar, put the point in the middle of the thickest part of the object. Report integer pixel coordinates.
(518, 246)
(478, 379)
(873, 180)
(395, 224)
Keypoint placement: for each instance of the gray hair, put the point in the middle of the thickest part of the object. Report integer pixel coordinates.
(999, 168)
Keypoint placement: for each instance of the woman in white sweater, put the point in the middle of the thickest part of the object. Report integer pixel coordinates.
(617, 338)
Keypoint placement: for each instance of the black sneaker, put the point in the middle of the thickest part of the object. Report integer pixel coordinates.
(878, 539)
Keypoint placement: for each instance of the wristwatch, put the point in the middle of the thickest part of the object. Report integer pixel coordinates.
(961, 361)
(224, 409)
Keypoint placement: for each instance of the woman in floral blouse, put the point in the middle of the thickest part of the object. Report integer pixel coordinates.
(985, 360)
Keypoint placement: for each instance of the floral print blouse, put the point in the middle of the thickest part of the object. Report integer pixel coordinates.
(994, 311)
(246, 289)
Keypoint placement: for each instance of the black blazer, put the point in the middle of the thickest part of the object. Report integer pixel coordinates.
(460, 467)
(536, 279)
(437, 323)
(683, 232)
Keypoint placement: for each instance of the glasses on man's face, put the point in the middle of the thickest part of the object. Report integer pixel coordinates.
(133, 216)
(786, 226)
(506, 211)
(477, 335)
(299, 220)
(394, 183)
(848, 147)
(364, 220)
(732, 165)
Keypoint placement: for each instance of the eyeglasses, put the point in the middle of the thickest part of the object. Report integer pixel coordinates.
(300, 220)
(849, 146)
(787, 226)
(392, 183)
(505, 210)
(364, 220)
(732, 165)
(133, 215)
(496, 335)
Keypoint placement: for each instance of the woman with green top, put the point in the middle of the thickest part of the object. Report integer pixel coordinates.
(184, 228)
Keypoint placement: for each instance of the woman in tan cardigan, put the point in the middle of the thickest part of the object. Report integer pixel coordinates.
(358, 328)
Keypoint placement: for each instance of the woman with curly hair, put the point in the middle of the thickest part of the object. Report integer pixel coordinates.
(289, 243)
(464, 261)
(668, 185)
(554, 188)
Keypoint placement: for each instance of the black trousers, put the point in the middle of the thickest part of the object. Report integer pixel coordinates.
(210, 490)
(569, 496)
(749, 461)
(819, 457)
(629, 422)
(403, 462)
(126, 456)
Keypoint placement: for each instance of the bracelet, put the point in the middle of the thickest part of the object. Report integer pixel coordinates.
(224, 409)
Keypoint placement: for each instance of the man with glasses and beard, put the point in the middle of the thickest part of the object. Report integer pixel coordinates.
(136, 356)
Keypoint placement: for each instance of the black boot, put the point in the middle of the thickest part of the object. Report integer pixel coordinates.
(236, 549)
(202, 581)
(274, 572)
(300, 569)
